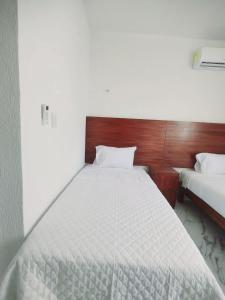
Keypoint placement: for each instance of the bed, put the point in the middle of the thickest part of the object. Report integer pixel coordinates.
(110, 235)
(207, 190)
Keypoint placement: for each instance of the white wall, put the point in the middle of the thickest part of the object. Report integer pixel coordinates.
(11, 219)
(145, 76)
(54, 65)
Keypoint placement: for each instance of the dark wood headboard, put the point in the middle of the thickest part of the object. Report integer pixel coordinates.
(158, 142)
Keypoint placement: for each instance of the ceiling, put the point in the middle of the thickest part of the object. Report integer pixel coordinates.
(187, 18)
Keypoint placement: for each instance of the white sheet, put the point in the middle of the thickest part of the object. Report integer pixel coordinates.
(111, 235)
(210, 188)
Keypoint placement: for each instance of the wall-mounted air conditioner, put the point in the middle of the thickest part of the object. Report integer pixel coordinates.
(209, 58)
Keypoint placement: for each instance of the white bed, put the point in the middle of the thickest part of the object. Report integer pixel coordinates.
(210, 188)
(111, 235)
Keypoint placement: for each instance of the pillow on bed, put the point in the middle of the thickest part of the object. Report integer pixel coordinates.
(210, 163)
(112, 157)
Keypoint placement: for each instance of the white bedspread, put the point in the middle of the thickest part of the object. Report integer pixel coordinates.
(209, 187)
(111, 235)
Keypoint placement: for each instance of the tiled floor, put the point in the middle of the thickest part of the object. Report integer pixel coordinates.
(208, 237)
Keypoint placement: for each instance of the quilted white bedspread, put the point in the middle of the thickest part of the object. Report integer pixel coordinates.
(110, 235)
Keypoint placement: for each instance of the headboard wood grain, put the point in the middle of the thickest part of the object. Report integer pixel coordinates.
(158, 142)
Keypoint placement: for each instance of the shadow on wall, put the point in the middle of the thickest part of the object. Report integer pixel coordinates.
(11, 221)
(7, 252)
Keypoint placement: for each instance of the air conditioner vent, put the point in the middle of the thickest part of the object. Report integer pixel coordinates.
(209, 58)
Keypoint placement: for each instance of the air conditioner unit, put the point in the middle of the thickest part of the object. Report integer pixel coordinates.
(209, 58)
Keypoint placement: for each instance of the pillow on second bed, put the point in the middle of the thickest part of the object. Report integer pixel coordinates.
(112, 157)
(210, 163)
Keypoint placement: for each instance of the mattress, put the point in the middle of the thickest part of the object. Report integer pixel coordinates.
(210, 188)
(110, 235)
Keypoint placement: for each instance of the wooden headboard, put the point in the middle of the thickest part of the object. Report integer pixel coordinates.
(158, 142)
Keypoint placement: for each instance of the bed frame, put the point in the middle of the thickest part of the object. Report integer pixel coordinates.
(159, 143)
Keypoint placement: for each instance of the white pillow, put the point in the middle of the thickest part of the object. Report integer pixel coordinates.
(210, 163)
(112, 157)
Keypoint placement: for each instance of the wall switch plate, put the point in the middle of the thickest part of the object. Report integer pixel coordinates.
(44, 114)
